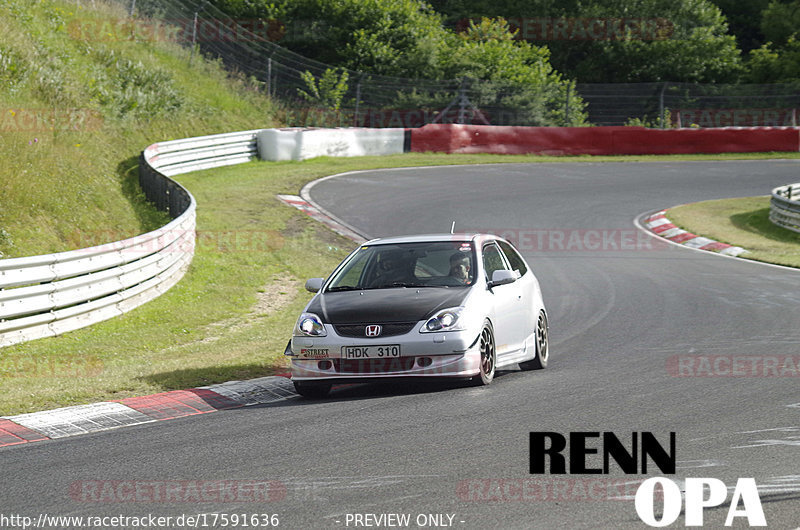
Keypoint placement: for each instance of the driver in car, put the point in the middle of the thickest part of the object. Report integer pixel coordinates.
(459, 268)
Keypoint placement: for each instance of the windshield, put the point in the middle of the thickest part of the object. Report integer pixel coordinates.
(438, 264)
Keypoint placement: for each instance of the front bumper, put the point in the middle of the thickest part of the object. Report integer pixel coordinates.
(424, 355)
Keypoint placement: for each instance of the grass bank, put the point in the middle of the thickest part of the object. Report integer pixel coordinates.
(77, 108)
(742, 222)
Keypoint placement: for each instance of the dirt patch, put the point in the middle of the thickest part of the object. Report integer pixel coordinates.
(276, 295)
(296, 224)
(279, 293)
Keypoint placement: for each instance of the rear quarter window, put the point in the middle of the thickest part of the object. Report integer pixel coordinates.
(516, 261)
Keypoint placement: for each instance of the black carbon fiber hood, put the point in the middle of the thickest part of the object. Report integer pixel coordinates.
(402, 304)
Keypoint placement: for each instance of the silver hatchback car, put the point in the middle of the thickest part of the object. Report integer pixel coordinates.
(428, 306)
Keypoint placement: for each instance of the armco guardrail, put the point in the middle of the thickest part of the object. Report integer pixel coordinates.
(42, 296)
(784, 207)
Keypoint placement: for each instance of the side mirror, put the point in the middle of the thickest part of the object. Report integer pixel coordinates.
(313, 285)
(502, 277)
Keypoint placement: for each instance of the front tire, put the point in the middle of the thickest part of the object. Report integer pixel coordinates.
(542, 345)
(488, 356)
(312, 390)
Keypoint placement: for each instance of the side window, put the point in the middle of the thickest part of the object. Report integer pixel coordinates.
(492, 260)
(516, 261)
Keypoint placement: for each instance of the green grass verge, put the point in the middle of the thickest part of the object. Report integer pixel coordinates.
(231, 315)
(743, 222)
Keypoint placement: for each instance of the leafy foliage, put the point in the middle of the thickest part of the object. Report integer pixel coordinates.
(744, 21)
(770, 64)
(519, 75)
(780, 20)
(406, 38)
(128, 87)
(328, 92)
(683, 40)
(778, 59)
(389, 37)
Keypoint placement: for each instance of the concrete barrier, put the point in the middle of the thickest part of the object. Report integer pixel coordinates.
(302, 144)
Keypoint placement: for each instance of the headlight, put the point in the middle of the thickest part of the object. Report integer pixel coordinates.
(309, 325)
(445, 320)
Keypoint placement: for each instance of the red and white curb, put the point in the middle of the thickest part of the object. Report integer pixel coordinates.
(658, 224)
(312, 211)
(84, 419)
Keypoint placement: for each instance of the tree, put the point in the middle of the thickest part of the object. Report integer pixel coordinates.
(620, 40)
(513, 75)
(781, 65)
(778, 60)
(389, 37)
(780, 21)
(406, 38)
(744, 21)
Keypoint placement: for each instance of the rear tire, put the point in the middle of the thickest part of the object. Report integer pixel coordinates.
(488, 356)
(542, 338)
(312, 390)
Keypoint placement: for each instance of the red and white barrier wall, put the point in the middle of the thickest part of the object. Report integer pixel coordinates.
(453, 138)
(301, 144)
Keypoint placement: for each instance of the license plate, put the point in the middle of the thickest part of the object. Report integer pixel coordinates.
(381, 351)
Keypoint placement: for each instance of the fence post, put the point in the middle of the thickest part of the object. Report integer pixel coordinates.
(462, 101)
(358, 100)
(194, 36)
(566, 106)
(662, 118)
(269, 75)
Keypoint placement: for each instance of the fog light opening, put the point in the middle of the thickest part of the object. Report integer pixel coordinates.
(324, 365)
(424, 361)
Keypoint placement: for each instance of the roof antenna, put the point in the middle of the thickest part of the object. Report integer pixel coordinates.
(453, 227)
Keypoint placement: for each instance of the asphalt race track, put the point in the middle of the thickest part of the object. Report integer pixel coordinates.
(622, 308)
